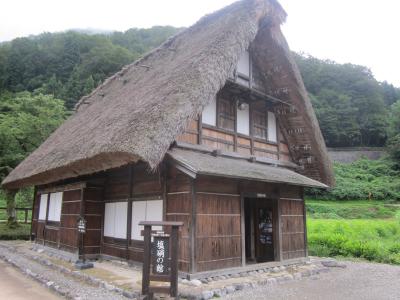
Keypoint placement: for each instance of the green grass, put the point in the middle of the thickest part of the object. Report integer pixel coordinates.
(324, 209)
(22, 232)
(367, 230)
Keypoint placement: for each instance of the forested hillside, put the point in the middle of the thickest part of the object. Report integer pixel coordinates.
(351, 105)
(69, 65)
(42, 77)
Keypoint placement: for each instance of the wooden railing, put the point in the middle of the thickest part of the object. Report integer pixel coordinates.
(26, 211)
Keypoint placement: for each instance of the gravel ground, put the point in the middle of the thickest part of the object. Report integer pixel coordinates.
(74, 289)
(16, 286)
(360, 280)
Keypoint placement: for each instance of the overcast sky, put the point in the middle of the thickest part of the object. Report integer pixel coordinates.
(362, 32)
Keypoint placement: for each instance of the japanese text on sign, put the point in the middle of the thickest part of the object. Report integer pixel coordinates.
(161, 255)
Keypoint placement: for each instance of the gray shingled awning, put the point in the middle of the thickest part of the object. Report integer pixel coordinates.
(197, 163)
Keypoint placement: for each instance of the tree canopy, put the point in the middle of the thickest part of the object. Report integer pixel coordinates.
(25, 121)
(351, 105)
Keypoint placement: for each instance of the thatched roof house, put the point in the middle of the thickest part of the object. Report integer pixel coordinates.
(137, 113)
(213, 129)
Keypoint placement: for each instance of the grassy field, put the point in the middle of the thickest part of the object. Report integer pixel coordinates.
(362, 229)
(340, 209)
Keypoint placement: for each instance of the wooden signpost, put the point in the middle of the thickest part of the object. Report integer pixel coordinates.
(82, 263)
(160, 260)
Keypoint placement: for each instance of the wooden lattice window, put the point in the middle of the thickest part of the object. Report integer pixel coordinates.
(226, 114)
(259, 125)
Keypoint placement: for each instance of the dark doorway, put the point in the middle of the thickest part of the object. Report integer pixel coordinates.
(259, 230)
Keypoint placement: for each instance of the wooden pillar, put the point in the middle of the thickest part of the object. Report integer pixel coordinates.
(146, 260)
(243, 229)
(174, 261)
(192, 267)
(279, 227)
(305, 224)
(81, 242)
(129, 212)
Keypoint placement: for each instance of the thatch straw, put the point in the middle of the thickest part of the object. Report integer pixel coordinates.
(137, 113)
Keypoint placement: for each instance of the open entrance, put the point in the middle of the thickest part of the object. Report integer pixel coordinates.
(260, 230)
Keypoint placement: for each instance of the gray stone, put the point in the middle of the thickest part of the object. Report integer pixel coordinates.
(204, 281)
(288, 277)
(333, 264)
(235, 275)
(282, 268)
(297, 276)
(205, 295)
(129, 295)
(209, 279)
(239, 286)
(185, 281)
(217, 293)
(230, 289)
(108, 287)
(40, 250)
(49, 283)
(253, 273)
(275, 270)
(260, 271)
(195, 282)
(222, 277)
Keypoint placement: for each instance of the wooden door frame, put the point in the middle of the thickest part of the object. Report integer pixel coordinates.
(276, 223)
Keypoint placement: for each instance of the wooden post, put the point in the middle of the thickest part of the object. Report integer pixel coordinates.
(243, 229)
(193, 228)
(160, 274)
(146, 260)
(305, 224)
(174, 261)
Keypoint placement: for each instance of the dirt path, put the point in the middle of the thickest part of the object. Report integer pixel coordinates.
(366, 281)
(14, 285)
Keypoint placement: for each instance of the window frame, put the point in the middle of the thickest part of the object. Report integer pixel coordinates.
(58, 208)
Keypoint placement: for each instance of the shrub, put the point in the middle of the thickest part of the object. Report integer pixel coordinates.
(363, 179)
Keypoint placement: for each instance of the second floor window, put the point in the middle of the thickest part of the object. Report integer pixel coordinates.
(226, 114)
(235, 116)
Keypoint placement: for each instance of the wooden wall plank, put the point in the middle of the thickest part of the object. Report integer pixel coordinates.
(292, 223)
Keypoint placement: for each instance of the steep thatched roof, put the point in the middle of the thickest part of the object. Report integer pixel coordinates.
(137, 113)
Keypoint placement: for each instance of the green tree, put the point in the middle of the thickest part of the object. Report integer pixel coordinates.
(393, 143)
(89, 85)
(25, 122)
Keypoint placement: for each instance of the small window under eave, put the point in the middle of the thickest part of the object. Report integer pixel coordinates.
(209, 115)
